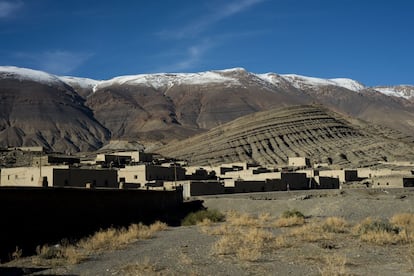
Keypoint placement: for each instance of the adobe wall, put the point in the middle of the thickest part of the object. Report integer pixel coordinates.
(392, 181)
(295, 181)
(325, 182)
(41, 215)
(80, 177)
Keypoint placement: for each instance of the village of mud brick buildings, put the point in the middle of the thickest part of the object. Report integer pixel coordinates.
(32, 167)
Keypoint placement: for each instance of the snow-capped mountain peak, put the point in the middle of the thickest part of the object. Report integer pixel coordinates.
(12, 72)
(84, 83)
(308, 82)
(400, 91)
(165, 80)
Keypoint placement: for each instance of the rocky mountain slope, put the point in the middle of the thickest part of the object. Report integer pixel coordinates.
(159, 108)
(39, 109)
(270, 137)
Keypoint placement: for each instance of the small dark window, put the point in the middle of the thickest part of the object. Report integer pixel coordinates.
(135, 176)
(66, 183)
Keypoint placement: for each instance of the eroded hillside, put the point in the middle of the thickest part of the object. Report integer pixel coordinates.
(270, 137)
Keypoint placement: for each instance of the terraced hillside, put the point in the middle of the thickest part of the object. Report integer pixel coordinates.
(270, 137)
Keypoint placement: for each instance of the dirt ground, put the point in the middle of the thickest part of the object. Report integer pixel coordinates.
(195, 250)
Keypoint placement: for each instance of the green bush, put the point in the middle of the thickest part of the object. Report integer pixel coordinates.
(292, 213)
(194, 218)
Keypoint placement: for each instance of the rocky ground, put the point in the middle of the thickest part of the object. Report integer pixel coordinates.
(252, 240)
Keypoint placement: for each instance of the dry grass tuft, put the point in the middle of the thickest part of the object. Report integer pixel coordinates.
(108, 239)
(311, 232)
(58, 255)
(196, 217)
(244, 219)
(205, 222)
(118, 238)
(265, 217)
(17, 254)
(146, 267)
(404, 220)
(334, 265)
(288, 222)
(380, 232)
(226, 245)
(280, 242)
(410, 257)
(246, 253)
(335, 225)
(290, 218)
(244, 243)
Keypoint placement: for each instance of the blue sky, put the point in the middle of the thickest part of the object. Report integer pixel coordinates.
(367, 40)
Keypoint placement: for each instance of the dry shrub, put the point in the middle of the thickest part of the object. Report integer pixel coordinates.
(17, 254)
(380, 237)
(226, 245)
(405, 222)
(335, 225)
(290, 218)
(205, 222)
(334, 265)
(379, 232)
(288, 222)
(111, 238)
(292, 213)
(311, 232)
(223, 229)
(280, 242)
(256, 237)
(246, 253)
(264, 217)
(117, 238)
(58, 255)
(146, 267)
(158, 226)
(410, 257)
(247, 244)
(196, 217)
(241, 219)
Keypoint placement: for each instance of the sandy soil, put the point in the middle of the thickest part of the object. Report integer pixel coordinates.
(190, 250)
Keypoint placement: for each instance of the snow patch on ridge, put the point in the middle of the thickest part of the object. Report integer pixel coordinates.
(84, 83)
(273, 78)
(301, 81)
(167, 80)
(400, 91)
(11, 72)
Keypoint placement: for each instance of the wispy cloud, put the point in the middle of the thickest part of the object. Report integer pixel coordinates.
(191, 58)
(8, 8)
(200, 25)
(56, 61)
(198, 45)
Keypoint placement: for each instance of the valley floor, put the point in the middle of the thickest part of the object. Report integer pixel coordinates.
(252, 241)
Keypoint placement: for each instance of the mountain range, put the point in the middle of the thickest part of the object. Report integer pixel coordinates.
(71, 114)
